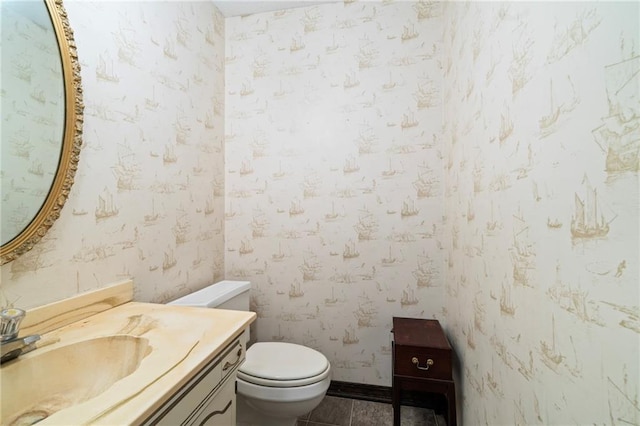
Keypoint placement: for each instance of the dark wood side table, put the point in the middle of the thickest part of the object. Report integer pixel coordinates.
(422, 361)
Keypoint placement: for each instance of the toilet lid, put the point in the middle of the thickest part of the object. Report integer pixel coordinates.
(283, 362)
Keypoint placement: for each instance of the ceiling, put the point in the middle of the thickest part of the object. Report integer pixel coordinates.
(241, 8)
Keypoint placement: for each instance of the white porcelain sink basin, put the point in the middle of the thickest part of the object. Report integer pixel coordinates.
(42, 383)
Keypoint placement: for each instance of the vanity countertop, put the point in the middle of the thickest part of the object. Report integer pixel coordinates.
(180, 341)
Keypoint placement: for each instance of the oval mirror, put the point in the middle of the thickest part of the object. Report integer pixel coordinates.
(41, 102)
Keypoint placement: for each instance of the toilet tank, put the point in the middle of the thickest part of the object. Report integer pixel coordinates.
(221, 295)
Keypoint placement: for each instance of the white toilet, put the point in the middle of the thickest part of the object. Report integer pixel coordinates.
(278, 382)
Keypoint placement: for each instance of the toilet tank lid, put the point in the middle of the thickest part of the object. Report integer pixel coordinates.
(213, 295)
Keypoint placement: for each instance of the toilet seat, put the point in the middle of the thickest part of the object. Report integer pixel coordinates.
(284, 365)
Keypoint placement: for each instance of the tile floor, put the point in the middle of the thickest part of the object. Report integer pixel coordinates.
(334, 411)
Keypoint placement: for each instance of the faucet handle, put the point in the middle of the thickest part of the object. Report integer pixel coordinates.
(10, 319)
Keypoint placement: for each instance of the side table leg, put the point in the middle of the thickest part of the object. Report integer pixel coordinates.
(395, 402)
(451, 404)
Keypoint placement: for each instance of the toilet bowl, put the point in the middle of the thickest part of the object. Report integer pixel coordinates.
(278, 382)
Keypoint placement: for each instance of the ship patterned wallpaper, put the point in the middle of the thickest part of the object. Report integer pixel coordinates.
(471, 162)
(502, 200)
(148, 201)
(541, 141)
(334, 176)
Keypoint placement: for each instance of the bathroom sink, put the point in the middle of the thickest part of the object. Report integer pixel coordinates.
(40, 384)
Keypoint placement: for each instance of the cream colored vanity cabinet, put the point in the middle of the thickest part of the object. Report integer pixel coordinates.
(209, 398)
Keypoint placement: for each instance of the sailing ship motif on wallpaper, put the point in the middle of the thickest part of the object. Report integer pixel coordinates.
(391, 171)
(618, 136)
(36, 168)
(106, 206)
(408, 121)
(479, 315)
(574, 35)
(310, 267)
(367, 54)
(169, 155)
(426, 96)
(183, 35)
(106, 72)
(245, 168)
(279, 255)
(350, 337)
(573, 300)
(150, 219)
(247, 89)
(350, 166)
(182, 130)
(296, 290)
(391, 259)
(550, 119)
(169, 260)
(330, 301)
(408, 298)
(409, 32)
(366, 312)
(493, 225)
(312, 182)
(588, 220)
(425, 273)
(21, 145)
(522, 49)
(426, 9)
(296, 44)
(310, 19)
(296, 209)
(551, 356)
(169, 49)
(506, 304)
(389, 85)
(350, 81)
(260, 65)
(470, 335)
(408, 208)
(259, 147)
(23, 71)
(548, 122)
(92, 253)
(350, 251)
(181, 229)
(209, 206)
(366, 139)
(245, 247)
(278, 337)
(522, 252)
(625, 406)
(506, 126)
(258, 224)
(553, 223)
(38, 96)
(367, 225)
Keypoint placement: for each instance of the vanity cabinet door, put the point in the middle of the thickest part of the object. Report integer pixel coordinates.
(206, 391)
(221, 410)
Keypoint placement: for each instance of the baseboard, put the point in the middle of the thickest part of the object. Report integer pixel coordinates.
(383, 394)
(360, 391)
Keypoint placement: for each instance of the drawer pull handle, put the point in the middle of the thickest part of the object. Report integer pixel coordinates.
(215, 413)
(417, 363)
(228, 365)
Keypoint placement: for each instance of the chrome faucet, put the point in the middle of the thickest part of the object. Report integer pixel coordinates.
(11, 345)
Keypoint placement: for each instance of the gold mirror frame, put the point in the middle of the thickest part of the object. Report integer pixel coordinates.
(71, 141)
